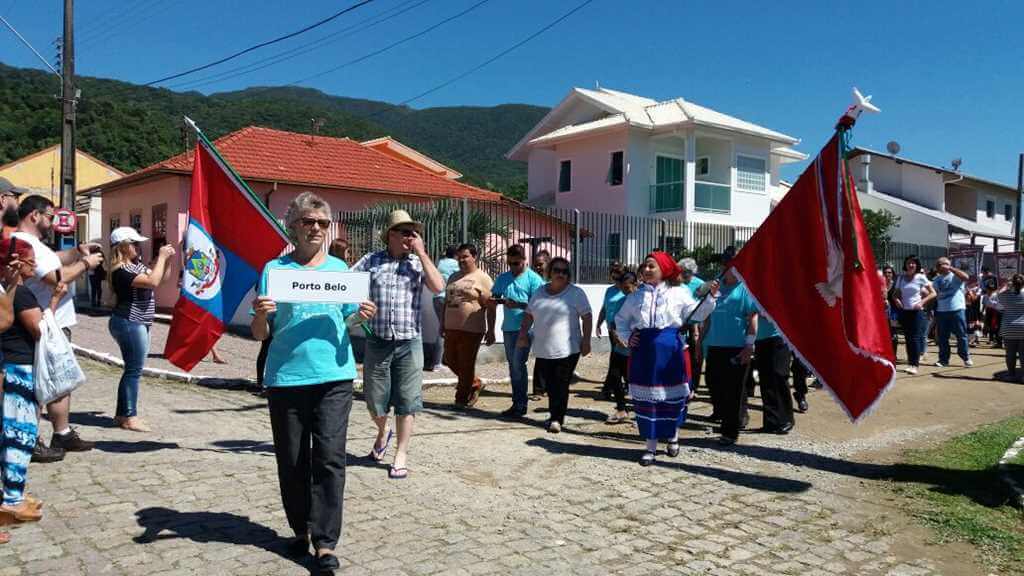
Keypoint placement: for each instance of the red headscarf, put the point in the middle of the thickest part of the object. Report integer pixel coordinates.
(669, 269)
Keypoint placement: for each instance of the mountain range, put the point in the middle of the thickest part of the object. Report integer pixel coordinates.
(130, 126)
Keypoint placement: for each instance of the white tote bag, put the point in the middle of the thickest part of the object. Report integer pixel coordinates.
(56, 371)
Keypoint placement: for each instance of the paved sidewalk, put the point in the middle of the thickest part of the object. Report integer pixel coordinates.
(199, 496)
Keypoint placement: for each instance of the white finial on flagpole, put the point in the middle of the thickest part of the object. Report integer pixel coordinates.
(861, 103)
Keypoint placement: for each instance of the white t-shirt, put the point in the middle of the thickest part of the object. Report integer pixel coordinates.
(910, 290)
(556, 321)
(47, 261)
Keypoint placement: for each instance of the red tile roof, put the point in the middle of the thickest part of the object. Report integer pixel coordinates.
(274, 155)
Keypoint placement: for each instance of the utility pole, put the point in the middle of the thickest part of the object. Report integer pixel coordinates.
(68, 100)
(1020, 193)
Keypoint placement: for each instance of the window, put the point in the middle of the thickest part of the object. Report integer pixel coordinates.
(159, 227)
(1008, 212)
(135, 221)
(990, 208)
(675, 245)
(615, 246)
(708, 197)
(115, 222)
(750, 174)
(667, 192)
(565, 176)
(615, 171)
(703, 166)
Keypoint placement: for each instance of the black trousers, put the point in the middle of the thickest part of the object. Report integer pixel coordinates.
(557, 373)
(772, 358)
(261, 360)
(800, 374)
(310, 425)
(728, 383)
(539, 386)
(617, 377)
(696, 352)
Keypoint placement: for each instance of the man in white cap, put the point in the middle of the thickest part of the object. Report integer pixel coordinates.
(393, 360)
(53, 268)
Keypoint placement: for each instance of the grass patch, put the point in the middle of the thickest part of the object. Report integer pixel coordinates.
(955, 488)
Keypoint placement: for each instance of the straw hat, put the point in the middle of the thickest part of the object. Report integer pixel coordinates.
(399, 218)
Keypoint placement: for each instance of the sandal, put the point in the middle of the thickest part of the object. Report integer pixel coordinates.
(377, 454)
(616, 418)
(21, 513)
(672, 449)
(647, 459)
(398, 473)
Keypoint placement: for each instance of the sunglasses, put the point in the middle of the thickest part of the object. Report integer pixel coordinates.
(564, 271)
(516, 263)
(405, 232)
(323, 223)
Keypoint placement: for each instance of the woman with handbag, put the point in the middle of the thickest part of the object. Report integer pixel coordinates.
(133, 283)
(20, 408)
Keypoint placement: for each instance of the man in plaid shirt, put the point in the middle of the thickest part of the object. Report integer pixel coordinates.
(393, 361)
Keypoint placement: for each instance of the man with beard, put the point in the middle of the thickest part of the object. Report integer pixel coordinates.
(35, 215)
(9, 194)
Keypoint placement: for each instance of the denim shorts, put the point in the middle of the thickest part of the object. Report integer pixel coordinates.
(393, 376)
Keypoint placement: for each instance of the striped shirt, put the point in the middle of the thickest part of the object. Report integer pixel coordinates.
(395, 287)
(133, 304)
(1012, 324)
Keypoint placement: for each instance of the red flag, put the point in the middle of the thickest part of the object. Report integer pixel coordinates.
(230, 237)
(811, 270)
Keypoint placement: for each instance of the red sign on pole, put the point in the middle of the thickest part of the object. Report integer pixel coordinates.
(64, 221)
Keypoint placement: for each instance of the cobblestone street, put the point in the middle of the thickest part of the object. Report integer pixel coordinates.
(199, 495)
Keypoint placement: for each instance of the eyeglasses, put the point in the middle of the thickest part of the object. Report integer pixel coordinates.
(564, 271)
(405, 232)
(323, 223)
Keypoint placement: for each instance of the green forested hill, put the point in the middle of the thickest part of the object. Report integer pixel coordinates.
(131, 126)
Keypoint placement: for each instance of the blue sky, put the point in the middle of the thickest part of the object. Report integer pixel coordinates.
(949, 76)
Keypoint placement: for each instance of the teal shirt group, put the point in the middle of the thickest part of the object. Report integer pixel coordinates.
(694, 284)
(766, 328)
(519, 289)
(311, 343)
(728, 323)
(613, 301)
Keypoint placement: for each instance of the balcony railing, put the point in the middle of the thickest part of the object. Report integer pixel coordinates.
(667, 197)
(712, 197)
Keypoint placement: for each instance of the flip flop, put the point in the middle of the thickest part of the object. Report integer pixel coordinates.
(378, 455)
(398, 473)
(5, 537)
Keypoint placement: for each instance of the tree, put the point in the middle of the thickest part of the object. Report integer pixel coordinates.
(880, 225)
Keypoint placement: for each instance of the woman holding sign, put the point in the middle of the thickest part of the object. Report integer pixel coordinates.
(309, 374)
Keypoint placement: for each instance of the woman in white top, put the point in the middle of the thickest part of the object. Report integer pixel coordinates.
(913, 293)
(659, 370)
(555, 313)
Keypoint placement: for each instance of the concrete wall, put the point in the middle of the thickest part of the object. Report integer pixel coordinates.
(917, 184)
(41, 173)
(1001, 197)
(591, 160)
(914, 227)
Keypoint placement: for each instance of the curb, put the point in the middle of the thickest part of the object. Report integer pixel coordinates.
(111, 360)
(1004, 471)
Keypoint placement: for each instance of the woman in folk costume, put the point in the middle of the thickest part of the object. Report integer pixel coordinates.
(654, 317)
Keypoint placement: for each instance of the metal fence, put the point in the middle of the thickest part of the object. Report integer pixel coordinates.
(591, 241)
(895, 252)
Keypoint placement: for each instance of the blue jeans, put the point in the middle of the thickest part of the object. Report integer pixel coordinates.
(954, 322)
(915, 332)
(393, 376)
(516, 358)
(133, 339)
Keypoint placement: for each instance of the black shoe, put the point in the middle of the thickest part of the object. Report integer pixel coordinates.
(298, 547)
(71, 442)
(44, 454)
(513, 412)
(714, 418)
(784, 430)
(327, 564)
(801, 405)
(672, 449)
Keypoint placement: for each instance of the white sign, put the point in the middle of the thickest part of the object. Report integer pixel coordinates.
(332, 287)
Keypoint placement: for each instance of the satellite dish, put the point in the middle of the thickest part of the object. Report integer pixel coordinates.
(956, 164)
(893, 147)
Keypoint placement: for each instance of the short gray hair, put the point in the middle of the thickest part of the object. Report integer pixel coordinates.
(688, 264)
(303, 203)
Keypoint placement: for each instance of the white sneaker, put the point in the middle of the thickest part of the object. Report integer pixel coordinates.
(940, 365)
(910, 369)
(968, 362)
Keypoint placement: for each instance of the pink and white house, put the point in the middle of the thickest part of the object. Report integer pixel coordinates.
(607, 151)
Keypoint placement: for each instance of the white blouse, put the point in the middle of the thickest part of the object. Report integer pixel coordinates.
(660, 307)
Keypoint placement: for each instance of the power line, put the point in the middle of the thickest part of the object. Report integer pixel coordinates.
(126, 26)
(292, 53)
(106, 19)
(379, 51)
(29, 45)
(483, 64)
(262, 44)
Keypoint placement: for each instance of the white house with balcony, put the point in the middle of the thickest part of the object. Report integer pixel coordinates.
(607, 151)
(937, 206)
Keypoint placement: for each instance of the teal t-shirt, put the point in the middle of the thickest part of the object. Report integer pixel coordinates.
(447, 267)
(613, 301)
(694, 284)
(766, 328)
(519, 289)
(728, 322)
(311, 343)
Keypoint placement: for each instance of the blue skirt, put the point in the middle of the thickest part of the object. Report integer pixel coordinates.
(659, 382)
